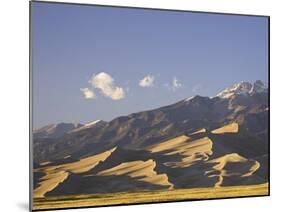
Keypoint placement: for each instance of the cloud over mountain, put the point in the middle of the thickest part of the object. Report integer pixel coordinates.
(87, 93)
(147, 81)
(176, 84)
(106, 85)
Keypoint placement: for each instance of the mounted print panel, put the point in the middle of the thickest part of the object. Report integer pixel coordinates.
(134, 105)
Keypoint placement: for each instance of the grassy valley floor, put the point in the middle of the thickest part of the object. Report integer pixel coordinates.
(89, 200)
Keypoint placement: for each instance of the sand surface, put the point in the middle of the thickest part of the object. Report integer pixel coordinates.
(203, 130)
(232, 165)
(141, 170)
(180, 162)
(54, 175)
(230, 128)
(170, 144)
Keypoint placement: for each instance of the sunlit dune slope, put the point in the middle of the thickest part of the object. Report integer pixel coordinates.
(183, 145)
(168, 145)
(230, 128)
(232, 165)
(203, 130)
(54, 175)
(190, 150)
(196, 164)
(50, 181)
(141, 170)
(202, 159)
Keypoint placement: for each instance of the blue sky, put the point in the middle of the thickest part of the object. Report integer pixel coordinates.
(181, 54)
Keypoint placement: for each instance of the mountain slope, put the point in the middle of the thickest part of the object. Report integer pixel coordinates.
(54, 130)
(139, 130)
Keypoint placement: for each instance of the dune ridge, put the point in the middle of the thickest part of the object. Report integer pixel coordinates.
(86, 164)
(230, 128)
(188, 153)
(54, 175)
(49, 182)
(231, 165)
(167, 145)
(201, 145)
(141, 170)
(202, 130)
(190, 150)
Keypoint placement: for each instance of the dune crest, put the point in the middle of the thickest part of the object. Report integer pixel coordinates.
(230, 128)
(192, 152)
(86, 164)
(202, 145)
(54, 175)
(49, 182)
(202, 130)
(231, 165)
(170, 144)
(141, 170)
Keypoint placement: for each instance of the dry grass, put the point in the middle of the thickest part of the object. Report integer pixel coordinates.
(149, 196)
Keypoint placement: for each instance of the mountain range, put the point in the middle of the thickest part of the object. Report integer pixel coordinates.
(196, 142)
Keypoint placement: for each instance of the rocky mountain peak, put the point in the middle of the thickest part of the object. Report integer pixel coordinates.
(244, 88)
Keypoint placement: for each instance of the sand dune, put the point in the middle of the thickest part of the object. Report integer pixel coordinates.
(232, 165)
(202, 130)
(183, 145)
(230, 128)
(188, 161)
(184, 162)
(202, 145)
(141, 170)
(49, 182)
(54, 175)
(192, 152)
(86, 164)
(170, 144)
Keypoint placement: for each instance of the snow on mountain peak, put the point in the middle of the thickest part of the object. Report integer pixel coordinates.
(86, 126)
(259, 86)
(244, 88)
(92, 123)
(186, 100)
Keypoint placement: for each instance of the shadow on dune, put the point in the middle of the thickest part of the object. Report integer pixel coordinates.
(83, 184)
(240, 143)
(199, 173)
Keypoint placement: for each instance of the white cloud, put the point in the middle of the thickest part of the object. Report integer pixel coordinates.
(147, 81)
(105, 84)
(87, 93)
(176, 84)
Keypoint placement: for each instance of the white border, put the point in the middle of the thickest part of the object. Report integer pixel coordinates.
(14, 52)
